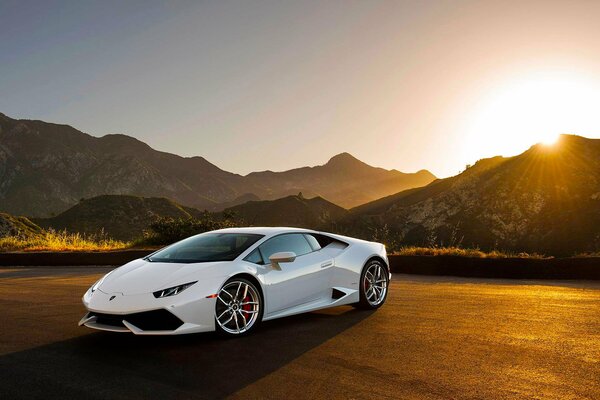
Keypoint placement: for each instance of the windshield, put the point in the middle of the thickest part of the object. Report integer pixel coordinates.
(206, 247)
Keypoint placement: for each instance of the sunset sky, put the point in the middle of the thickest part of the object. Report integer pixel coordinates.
(254, 85)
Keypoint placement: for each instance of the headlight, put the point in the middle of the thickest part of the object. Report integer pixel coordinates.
(96, 285)
(172, 291)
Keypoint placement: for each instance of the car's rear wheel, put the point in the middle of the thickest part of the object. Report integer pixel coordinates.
(239, 308)
(374, 281)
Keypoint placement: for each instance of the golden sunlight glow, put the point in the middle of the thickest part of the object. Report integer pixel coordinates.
(534, 109)
(550, 140)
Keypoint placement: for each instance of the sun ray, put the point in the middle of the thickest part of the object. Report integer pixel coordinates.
(535, 108)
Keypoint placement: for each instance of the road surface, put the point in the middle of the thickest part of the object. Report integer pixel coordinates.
(435, 338)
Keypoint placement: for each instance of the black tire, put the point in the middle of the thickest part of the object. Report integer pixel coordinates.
(366, 303)
(238, 309)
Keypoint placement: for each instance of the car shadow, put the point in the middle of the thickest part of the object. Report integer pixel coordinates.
(108, 365)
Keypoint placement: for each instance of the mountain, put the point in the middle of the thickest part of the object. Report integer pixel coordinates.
(118, 216)
(546, 200)
(343, 180)
(46, 168)
(295, 211)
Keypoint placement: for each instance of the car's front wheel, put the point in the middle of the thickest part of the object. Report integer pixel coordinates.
(374, 281)
(239, 308)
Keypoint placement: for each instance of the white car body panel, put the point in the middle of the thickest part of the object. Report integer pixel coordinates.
(304, 285)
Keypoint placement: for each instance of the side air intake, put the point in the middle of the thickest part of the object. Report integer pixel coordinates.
(337, 294)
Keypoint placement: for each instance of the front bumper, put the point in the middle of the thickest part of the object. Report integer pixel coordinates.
(145, 315)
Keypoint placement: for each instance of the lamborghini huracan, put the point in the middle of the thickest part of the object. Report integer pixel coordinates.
(230, 280)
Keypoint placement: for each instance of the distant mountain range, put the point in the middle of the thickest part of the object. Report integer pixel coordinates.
(546, 200)
(46, 168)
(343, 180)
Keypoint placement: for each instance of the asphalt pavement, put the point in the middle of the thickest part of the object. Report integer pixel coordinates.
(435, 338)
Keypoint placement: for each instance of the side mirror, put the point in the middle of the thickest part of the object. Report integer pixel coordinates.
(281, 257)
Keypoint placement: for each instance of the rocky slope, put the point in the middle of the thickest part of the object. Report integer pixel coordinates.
(546, 199)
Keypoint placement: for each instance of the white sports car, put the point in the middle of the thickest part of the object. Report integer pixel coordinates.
(230, 280)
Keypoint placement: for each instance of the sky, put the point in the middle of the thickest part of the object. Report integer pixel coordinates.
(257, 85)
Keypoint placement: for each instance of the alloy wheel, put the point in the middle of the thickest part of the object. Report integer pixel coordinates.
(238, 307)
(375, 284)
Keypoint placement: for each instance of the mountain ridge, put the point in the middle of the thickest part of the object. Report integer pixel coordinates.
(45, 168)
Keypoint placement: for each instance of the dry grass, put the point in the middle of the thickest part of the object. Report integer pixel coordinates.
(61, 241)
(588, 254)
(462, 252)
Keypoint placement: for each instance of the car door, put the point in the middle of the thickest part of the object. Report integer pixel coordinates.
(304, 280)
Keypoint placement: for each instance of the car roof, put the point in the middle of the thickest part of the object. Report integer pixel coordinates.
(266, 231)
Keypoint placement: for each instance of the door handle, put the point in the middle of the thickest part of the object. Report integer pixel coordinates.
(326, 264)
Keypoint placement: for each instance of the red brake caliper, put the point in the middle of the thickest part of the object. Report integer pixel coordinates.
(247, 307)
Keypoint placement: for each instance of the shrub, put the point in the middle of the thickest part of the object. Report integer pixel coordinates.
(462, 252)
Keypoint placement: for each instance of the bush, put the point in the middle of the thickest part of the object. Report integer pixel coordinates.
(461, 252)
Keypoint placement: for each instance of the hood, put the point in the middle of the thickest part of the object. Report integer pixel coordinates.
(141, 276)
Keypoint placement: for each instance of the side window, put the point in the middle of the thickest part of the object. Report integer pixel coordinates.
(295, 242)
(255, 257)
(314, 243)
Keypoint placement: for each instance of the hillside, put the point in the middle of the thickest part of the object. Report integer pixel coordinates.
(546, 199)
(17, 226)
(295, 211)
(120, 217)
(125, 217)
(46, 168)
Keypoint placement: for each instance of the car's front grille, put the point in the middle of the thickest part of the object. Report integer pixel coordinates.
(108, 319)
(156, 320)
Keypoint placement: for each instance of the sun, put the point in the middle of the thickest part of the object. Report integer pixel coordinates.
(550, 139)
(519, 112)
